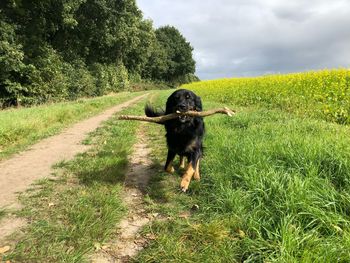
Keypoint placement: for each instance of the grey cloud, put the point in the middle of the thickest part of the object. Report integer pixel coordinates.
(255, 37)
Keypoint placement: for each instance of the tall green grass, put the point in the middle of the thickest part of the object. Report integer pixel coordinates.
(323, 94)
(275, 188)
(22, 127)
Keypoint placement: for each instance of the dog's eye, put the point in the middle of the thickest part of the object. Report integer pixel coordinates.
(187, 96)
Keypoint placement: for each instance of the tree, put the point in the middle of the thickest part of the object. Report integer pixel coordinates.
(156, 66)
(12, 68)
(140, 51)
(54, 50)
(179, 61)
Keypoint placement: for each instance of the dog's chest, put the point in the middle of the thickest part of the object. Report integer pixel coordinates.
(182, 143)
(191, 146)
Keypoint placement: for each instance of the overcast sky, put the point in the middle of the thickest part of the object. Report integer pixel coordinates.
(255, 37)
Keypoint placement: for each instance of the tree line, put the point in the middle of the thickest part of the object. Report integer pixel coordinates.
(53, 50)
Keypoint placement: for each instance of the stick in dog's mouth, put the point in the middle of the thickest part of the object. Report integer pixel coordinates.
(164, 118)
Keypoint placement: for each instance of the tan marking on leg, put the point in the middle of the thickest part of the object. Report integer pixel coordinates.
(182, 162)
(170, 169)
(196, 175)
(186, 178)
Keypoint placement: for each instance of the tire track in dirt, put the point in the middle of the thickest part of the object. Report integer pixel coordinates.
(19, 172)
(128, 241)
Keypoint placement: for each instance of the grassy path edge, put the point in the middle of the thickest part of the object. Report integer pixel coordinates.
(21, 128)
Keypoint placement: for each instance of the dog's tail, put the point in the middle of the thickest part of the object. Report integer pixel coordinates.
(150, 111)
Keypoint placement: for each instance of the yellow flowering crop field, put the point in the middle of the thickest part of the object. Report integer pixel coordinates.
(323, 94)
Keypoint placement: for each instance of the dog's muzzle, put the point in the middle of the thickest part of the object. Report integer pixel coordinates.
(183, 118)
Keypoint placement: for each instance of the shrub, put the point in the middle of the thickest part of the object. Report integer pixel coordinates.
(13, 71)
(109, 78)
(81, 81)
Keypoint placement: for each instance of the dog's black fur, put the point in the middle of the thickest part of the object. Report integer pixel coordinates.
(184, 135)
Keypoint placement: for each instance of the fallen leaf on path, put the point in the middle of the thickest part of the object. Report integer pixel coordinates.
(139, 242)
(151, 236)
(134, 218)
(97, 246)
(155, 214)
(4, 249)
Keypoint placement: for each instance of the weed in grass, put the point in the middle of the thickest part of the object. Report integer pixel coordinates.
(87, 141)
(2, 213)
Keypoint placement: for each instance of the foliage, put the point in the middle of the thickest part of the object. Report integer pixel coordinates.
(81, 82)
(156, 66)
(178, 54)
(324, 94)
(58, 50)
(109, 78)
(12, 67)
(48, 80)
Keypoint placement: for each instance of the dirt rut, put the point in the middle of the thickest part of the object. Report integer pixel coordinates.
(17, 173)
(128, 242)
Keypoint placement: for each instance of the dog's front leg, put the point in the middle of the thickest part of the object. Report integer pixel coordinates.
(187, 176)
(191, 170)
(196, 175)
(169, 162)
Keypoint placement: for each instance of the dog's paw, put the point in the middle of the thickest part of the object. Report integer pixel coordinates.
(184, 184)
(170, 170)
(196, 177)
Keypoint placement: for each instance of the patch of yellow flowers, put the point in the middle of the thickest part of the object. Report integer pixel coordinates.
(324, 94)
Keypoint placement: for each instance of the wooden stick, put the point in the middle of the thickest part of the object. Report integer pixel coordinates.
(164, 118)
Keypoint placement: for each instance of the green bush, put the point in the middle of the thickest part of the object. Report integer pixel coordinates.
(109, 78)
(81, 81)
(13, 71)
(48, 79)
(63, 50)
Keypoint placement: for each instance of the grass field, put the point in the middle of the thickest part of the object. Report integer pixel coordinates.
(22, 127)
(275, 188)
(322, 94)
(275, 182)
(75, 212)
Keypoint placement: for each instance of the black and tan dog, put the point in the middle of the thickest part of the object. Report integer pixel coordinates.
(184, 135)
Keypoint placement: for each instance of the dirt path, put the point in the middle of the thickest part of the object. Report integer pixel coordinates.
(128, 241)
(17, 173)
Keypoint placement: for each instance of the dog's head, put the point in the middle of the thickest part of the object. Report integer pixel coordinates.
(183, 100)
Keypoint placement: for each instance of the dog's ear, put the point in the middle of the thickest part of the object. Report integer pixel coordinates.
(198, 103)
(169, 106)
